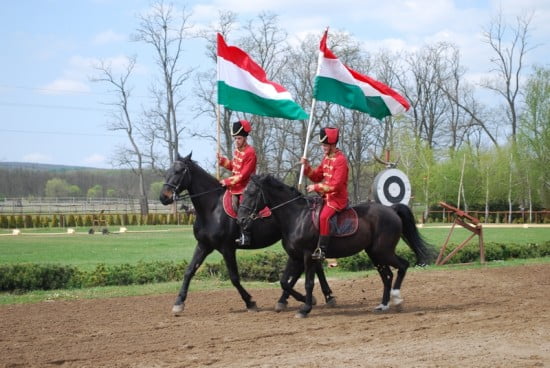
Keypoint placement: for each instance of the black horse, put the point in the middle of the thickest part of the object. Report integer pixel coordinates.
(215, 230)
(378, 232)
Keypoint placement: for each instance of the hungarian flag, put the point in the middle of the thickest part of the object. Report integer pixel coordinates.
(243, 86)
(337, 83)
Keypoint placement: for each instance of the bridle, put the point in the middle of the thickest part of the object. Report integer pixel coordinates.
(254, 212)
(176, 189)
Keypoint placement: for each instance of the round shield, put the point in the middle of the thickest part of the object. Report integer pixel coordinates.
(391, 186)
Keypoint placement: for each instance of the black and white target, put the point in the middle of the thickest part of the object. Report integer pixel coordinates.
(392, 186)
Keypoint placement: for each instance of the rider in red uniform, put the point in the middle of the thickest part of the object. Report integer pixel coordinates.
(242, 167)
(331, 178)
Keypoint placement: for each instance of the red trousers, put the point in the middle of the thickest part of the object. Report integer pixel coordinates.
(324, 217)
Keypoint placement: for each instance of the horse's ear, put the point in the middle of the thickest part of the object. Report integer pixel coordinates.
(188, 157)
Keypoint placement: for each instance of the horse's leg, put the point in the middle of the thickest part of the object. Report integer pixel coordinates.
(387, 277)
(291, 274)
(198, 257)
(402, 265)
(310, 269)
(329, 299)
(231, 264)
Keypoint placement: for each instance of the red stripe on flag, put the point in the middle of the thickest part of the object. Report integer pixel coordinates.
(241, 59)
(379, 86)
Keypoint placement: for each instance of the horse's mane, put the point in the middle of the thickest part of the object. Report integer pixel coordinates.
(278, 184)
(196, 168)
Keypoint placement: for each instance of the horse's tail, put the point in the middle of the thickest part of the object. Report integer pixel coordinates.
(425, 252)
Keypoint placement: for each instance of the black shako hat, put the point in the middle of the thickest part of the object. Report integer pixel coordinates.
(241, 127)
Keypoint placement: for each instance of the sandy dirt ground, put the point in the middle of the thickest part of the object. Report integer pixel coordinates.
(488, 317)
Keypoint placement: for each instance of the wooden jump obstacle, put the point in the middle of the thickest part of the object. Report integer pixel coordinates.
(469, 223)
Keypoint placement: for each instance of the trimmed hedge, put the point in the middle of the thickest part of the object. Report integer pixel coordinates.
(470, 253)
(265, 266)
(41, 221)
(23, 277)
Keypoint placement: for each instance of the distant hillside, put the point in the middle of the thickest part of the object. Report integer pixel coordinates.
(21, 179)
(43, 167)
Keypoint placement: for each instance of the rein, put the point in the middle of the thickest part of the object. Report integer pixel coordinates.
(254, 213)
(176, 197)
(286, 202)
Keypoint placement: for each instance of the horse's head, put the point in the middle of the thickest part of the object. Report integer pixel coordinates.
(253, 200)
(177, 179)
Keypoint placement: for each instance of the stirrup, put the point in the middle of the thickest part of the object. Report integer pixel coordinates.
(318, 254)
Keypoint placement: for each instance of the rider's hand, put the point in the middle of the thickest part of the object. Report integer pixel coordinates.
(304, 161)
(310, 188)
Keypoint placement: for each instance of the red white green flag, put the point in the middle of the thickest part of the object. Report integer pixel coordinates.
(243, 86)
(337, 83)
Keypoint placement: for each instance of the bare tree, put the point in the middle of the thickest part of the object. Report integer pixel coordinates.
(165, 29)
(130, 156)
(466, 115)
(206, 85)
(510, 45)
(266, 43)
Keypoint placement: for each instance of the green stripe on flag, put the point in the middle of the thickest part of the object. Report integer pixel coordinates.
(350, 96)
(241, 100)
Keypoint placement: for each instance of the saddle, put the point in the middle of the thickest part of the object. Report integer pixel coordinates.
(230, 211)
(342, 224)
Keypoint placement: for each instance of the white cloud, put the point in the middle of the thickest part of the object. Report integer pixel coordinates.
(64, 86)
(107, 37)
(37, 157)
(95, 159)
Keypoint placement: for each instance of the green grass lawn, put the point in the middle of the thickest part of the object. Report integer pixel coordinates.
(85, 251)
(518, 235)
(177, 243)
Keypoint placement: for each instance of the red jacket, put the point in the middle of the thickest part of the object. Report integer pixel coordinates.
(243, 166)
(331, 177)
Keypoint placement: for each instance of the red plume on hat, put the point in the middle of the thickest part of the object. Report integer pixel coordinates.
(241, 127)
(329, 135)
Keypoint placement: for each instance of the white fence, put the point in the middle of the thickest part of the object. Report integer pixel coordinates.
(43, 206)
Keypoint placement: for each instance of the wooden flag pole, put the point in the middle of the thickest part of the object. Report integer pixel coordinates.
(309, 124)
(218, 148)
(310, 121)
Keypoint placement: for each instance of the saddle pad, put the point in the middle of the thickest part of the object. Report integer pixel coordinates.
(342, 224)
(228, 207)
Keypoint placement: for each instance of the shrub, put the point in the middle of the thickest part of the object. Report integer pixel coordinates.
(88, 220)
(124, 220)
(71, 221)
(25, 276)
(4, 222)
(265, 266)
(357, 262)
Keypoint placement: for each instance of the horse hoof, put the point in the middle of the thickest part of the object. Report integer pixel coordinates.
(177, 309)
(279, 307)
(252, 307)
(331, 302)
(382, 308)
(300, 315)
(395, 297)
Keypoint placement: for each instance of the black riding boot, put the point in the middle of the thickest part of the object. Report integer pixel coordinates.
(244, 239)
(322, 245)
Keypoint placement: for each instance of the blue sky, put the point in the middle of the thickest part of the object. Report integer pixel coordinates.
(50, 111)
